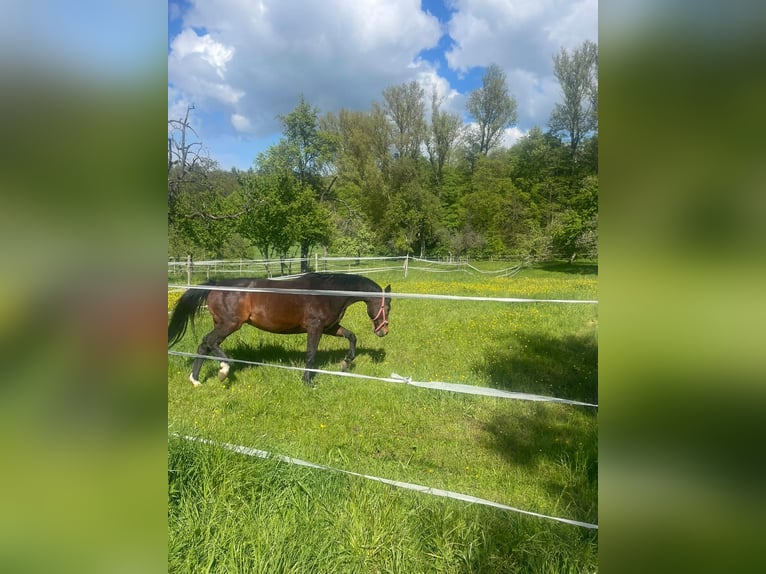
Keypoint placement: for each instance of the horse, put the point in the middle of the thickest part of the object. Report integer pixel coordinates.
(281, 313)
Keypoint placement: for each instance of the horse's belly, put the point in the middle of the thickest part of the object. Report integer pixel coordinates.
(286, 321)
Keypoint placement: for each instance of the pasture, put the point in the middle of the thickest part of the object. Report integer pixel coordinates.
(228, 512)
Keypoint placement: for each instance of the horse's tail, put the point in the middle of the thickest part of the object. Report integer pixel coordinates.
(188, 306)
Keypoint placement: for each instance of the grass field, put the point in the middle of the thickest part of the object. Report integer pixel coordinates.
(232, 513)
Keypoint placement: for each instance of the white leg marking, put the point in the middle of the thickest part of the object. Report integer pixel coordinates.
(194, 381)
(223, 371)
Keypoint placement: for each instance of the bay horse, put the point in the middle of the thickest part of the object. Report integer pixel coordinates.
(281, 313)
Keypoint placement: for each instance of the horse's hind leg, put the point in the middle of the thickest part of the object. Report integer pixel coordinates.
(201, 350)
(217, 337)
(210, 345)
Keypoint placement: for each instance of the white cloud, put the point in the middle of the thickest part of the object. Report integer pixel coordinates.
(243, 62)
(518, 33)
(187, 43)
(257, 58)
(197, 68)
(578, 24)
(240, 123)
(450, 100)
(521, 36)
(512, 135)
(506, 33)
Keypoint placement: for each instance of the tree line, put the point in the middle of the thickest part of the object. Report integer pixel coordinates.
(402, 177)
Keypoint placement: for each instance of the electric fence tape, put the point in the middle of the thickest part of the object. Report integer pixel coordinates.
(394, 378)
(407, 485)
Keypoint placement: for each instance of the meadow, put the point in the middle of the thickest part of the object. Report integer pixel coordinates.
(231, 513)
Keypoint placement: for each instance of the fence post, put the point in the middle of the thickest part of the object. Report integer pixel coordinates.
(188, 268)
(316, 262)
(406, 264)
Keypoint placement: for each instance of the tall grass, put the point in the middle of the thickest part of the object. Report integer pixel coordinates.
(228, 512)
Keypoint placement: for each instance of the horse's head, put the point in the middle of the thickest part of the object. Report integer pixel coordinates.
(378, 310)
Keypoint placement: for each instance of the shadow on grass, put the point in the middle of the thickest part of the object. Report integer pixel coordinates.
(565, 367)
(544, 435)
(561, 452)
(575, 268)
(283, 355)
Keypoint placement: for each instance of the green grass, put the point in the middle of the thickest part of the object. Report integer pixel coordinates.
(228, 512)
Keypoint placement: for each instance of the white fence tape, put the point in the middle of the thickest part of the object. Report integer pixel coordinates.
(407, 485)
(394, 378)
(340, 293)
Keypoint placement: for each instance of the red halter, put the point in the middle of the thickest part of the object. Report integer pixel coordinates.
(381, 311)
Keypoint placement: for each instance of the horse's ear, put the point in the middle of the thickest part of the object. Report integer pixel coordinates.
(387, 289)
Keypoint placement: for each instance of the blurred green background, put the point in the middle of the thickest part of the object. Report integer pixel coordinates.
(682, 281)
(82, 312)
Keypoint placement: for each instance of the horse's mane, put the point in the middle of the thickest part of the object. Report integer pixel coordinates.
(230, 282)
(331, 281)
(343, 281)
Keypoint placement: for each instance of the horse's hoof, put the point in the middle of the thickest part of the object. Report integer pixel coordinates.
(194, 381)
(344, 366)
(223, 372)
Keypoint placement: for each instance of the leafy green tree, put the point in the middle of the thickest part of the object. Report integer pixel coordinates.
(445, 131)
(566, 228)
(577, 114)
(308, 220)
(410, 218)
(405, 108)
(206, 213)
(282, 213)
(492, 108)
(265, 222)
(361, 192)
(306, 152)
(410, 211)
(484, 208)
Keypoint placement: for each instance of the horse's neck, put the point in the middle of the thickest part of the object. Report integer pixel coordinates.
(368, 286)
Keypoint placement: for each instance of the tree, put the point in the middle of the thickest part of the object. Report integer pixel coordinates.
(282, 212)
(405, 109)
(187, 164)
(208, 219)
(305, 152)
(493, 110)
(412, 213)
(445, 132)
(360, 194)
(577, 115)
(484, 208)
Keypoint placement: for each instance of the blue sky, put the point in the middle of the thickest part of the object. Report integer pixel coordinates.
(244, 62)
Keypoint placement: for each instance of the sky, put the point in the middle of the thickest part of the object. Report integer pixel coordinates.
(242, 63)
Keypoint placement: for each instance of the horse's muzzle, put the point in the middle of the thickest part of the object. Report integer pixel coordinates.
(381, 330)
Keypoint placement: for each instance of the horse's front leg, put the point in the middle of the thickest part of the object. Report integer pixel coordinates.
(312, 344)
(338, 331)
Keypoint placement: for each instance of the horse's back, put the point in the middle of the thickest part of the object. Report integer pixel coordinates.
(283, 313)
